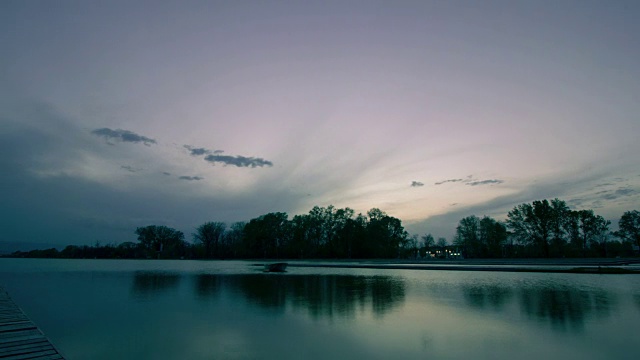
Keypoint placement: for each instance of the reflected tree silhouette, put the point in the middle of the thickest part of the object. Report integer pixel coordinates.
(566, 308)
(487, 296)
(321, 296)
(153, 283)
(264, 290)
(207, 285)
(385, 293)
(636, 299)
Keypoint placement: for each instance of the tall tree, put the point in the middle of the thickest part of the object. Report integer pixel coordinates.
(536, 223)
(493, 235)
(233, 239)
(586, 228)
(629, 227)
(560, 215)
(208, 235)
(467, 237)
(386, 234)
(428, 242)
(267, 235)
(442, 244)
(480, 238)
(161, 241)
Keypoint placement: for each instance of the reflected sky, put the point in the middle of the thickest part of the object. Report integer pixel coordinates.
(196, 311)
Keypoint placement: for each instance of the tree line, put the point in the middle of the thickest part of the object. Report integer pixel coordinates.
(546, 228)
(539, 229)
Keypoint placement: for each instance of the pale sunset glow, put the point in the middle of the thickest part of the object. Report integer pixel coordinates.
(117, 114)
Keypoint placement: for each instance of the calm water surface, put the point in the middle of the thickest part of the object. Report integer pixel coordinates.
(112, 309)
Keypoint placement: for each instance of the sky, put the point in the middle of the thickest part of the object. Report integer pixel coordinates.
(120, 114)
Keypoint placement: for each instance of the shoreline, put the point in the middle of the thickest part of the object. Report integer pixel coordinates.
(576, 266)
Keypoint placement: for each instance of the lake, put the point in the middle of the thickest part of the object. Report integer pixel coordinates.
(129, 309)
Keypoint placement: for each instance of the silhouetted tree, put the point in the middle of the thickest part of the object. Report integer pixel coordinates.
(493, 236)
(442, 245)
(233, 239)
(467, 237)
(480, 238)
(585, 228)
(411, 249)
(266, 235)
(385, 233)
(629, 227)
(208, 235)
(161, 241)
(426, 245)
(535, 224)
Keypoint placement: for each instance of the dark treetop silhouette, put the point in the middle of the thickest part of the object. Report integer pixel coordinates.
(542, 228)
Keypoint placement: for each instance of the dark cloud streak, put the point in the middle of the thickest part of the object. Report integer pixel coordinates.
(470, 181)
(197, 151)
(448, 181)
(214, 156)
(416, 184)
(129, 168)
(239, 161)
(191, 178)
(123, 135)
(485, 182)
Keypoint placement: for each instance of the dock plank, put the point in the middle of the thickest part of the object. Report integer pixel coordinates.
(21, 339)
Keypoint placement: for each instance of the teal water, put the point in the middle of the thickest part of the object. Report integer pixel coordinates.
(125, 309)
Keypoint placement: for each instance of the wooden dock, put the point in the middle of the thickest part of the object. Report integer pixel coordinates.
(20, 339)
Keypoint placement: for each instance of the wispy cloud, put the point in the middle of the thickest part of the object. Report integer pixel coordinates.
(484, 182)
(615, 194)
(130, 168)
(191, 178)
(239, 161)
(199, 151)
(469, 180)
(215, 156)
(416, 184)
(123, 136)
(448, 181)
(194, 151)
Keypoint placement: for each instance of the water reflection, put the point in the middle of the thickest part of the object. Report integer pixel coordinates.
(488, 296)
(153, 283)
(207, 285)
(321, 296)
(564, 307)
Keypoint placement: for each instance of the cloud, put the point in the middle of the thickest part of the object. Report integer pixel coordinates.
(621, 192)
(166, 173)
(448, 181)
(196, 151)
(123, 135)
(469, 180)
(484, 182)
(129, 168)
(239, 161)
(625, 192)
(575, 202)
(416, 184)
(214, 156)
(191, 178)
